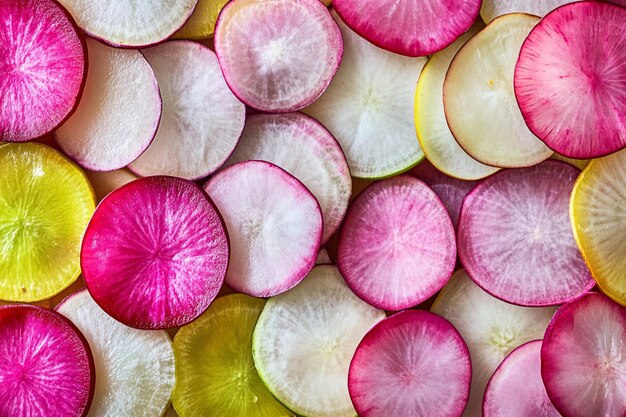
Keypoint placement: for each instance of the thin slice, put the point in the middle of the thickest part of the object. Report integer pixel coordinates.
(201, 24)
(103, 182)
(304, 340)
(274, 225)
(397, 246)
(479, 100)
(412, 364)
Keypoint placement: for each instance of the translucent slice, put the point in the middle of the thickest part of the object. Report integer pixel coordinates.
(201, 24)
(103, 182)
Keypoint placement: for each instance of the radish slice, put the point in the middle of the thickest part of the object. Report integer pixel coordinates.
(570, 79)
(413, 28)
(583, 358)
(304, 340)
(277, 55)
(274, 224)
(118, 114)
(135, 368)
(46, 367)
(369, 108)
(412, 364)
(303, 147)
(490, 327)
(155, 253)
(479, 101)
(42, 68)
(515, 236)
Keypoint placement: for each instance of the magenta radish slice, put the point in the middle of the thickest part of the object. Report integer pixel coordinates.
(155, 253)
(42, 68)
(277, 55)
(570, 79)
(397, 244)
(274, 224)
(412, 364)
(46, 367)
(583, 358)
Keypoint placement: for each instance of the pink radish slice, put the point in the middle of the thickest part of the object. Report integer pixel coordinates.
(277, 55)
(155, 253)
(516, 388)
(412, 364)
(397, 245)
(46, 367)
(583, 358)
(274, 224)
(570, 79)
(515, 237)
(42, 68)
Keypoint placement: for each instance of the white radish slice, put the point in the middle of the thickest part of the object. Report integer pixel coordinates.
(495, 8)
(369, 108)
(118, 114)
(490, 327)
(479, 100)
(304, 340)
(277, 55)
(202, 120)
(303, 147)
(274, 225)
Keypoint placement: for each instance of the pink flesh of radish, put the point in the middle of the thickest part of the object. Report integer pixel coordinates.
(412, 364)
(155, 253)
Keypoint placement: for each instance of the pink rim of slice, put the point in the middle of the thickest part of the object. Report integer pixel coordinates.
(570, 79)
(516, 388)
(397, 245)
(42, 68)
(515, 237)
(583, 358)
(155, 253)
(412, 28)
(46, 366)
(412, 364)
(274, 224)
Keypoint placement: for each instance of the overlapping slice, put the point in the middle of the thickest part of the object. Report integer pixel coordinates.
(201, 24)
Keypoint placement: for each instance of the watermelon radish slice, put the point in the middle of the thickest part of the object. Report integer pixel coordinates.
(46, 367)
(277, 56)
(583, 358)
(304, 340)
(412, 28)
(202, 120)
(397, 246)
(303, 147)
(134, 368)
(270, 216)
(118, 114)
(515, 236)
(570, 79)
(155, 253)
(412, 364)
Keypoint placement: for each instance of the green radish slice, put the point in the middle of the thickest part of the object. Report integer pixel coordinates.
(304, 340)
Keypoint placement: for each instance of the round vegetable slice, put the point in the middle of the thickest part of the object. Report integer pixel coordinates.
(155, 253)
(201, 24)
(304, 340)
(42, 68)
(277, 55)
(515, 236)
(570, 79)
(303, 147)
(45, 205)
(412, 364)
(397, 246)
(135, 368)
(479, 101)
(583, 358)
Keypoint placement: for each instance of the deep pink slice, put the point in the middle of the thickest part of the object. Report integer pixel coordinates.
(570, 79)
(155, 253)
(515, 237)
(46, 367)
(412, 364)
(42, 68)
(397, 245)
